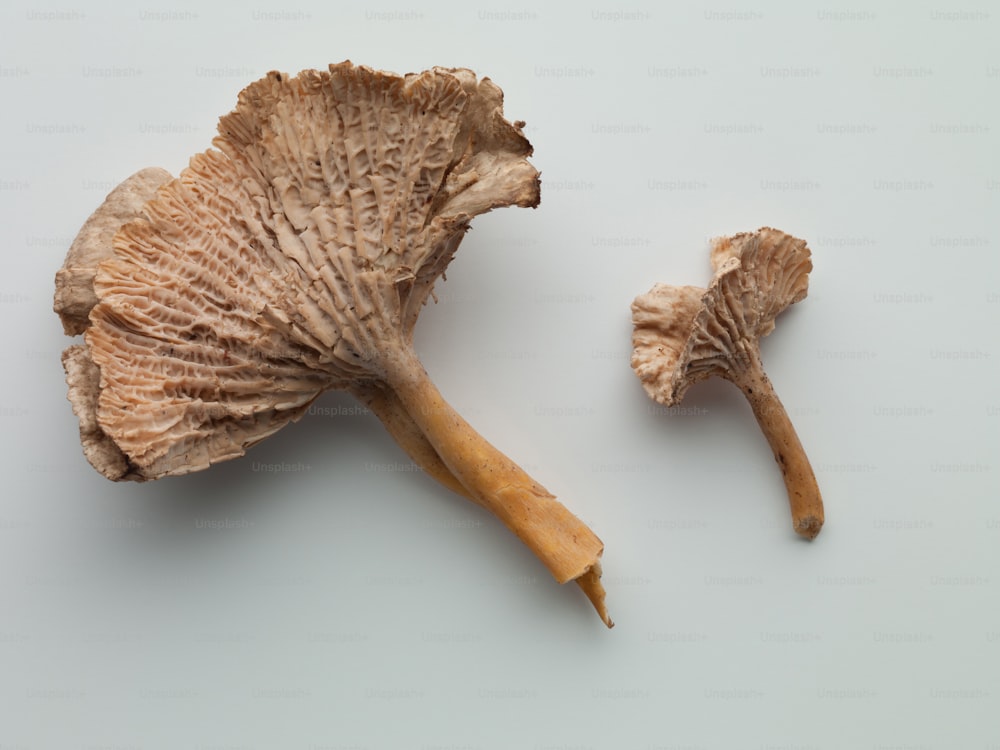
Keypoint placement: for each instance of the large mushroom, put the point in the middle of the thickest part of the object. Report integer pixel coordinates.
(686, 334)
(292, 259)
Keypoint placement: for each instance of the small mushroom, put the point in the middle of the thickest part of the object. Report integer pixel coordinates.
(294, 259)
(686, 334)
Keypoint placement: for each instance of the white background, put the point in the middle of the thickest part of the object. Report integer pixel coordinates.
(353, 603)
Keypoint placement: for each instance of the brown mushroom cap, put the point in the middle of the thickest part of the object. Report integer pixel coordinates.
(686, 334)
(223, 309)
(75, 297)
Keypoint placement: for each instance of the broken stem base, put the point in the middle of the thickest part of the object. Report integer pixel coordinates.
(564, 544)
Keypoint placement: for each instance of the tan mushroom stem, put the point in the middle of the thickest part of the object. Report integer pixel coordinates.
(803, 492)
(385, 405)
(565, 545)
(561, 541)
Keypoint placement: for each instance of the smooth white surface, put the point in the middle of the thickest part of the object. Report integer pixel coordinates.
(348, 602)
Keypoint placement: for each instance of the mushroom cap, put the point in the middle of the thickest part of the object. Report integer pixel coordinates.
(221, 311)
(686, 334)
(75, 297)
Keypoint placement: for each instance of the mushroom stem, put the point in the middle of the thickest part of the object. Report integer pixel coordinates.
(800, 481)
(564, 544)
(386, 406)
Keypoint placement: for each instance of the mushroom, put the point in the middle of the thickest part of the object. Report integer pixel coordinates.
(293, 259)
(686, 334)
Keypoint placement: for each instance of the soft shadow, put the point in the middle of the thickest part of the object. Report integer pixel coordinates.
(335, 425)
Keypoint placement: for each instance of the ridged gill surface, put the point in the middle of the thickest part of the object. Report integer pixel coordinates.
(226, 307)
(685, 334)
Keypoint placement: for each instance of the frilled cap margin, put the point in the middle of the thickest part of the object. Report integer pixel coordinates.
(686, 334)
